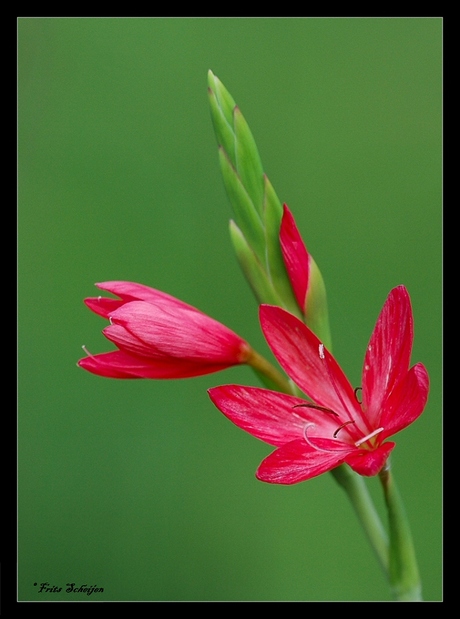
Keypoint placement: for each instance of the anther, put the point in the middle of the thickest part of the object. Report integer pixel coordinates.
(366, 438)
(342, 426)
(321, 351)
(317, 407)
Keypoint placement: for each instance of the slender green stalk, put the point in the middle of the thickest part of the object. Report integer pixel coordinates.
(267, 373)
(403, 569)
(359, 496)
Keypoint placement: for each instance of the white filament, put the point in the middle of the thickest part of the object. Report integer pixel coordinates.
(87, 351)
(366, 438)
(312, 425)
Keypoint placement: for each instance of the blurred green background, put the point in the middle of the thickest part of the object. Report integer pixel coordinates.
(143, 487)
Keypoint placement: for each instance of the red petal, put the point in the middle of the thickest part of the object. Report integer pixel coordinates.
(181, 333)
(406, 402)
(270, 416)
(102, 305)
(131, 291)
(369, 463)
(118, 364)
(131, 344)
(298, 351)
(296, 461)
(295, 256)
(388, 354)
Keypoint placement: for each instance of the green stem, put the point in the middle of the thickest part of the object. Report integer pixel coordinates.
(403, 569)
(359, 496)
(270, 376)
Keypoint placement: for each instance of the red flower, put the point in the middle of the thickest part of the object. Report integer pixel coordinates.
(335, 427)
(159, 336)
(296, 257)
(305, 277)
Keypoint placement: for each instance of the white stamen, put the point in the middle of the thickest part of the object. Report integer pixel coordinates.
(366, 438)
(307, 425)
(87, 351)
(321, 351)
(307, 440)
(311, 425)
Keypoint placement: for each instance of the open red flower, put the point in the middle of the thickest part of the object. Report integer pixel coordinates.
(159, 336)
(336, 426)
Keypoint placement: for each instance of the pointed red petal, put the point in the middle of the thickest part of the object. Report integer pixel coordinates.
(131, 344)
(388, 354)
(119, 364)
(116, 364)
(369, 463)
(131, 291)
(295, 462)
(268, 415)
(103, 305)
(299, 351)
(295, 256)
(406, 402)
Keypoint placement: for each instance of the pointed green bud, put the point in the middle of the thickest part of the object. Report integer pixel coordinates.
(316, 313)
(273, 213)
(248, 161)
(253, 269)
(274, 260)
(247, 217)
(224, 99)
(223, 126)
